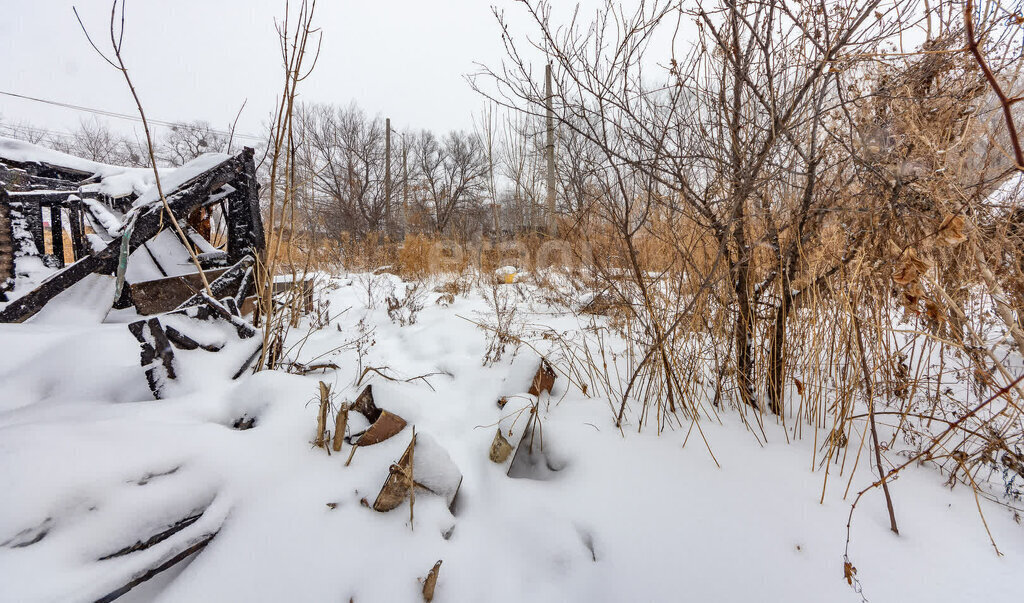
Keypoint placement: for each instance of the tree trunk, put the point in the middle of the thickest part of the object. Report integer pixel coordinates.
(549, 151)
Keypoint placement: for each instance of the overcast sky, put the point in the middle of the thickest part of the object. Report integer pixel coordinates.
(200, 59)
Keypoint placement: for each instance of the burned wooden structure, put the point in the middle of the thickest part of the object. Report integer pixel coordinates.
(60, 222)
(39, 199)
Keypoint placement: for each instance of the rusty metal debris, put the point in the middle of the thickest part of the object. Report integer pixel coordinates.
(383, 424)
(424, 465)
(386, 426)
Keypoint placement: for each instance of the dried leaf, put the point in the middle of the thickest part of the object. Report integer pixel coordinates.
(799, 386)
(909, 268)
(914, 289)
(951, 230)
(934, 312)
(849, 572)
(544, 379)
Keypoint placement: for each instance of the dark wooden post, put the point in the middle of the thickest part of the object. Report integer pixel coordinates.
(387, 173)
(57, 233)
(245, 225)
(78, 247)
(549, 151)
(33, 211)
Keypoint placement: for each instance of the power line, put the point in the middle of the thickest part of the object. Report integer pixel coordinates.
(134, 118)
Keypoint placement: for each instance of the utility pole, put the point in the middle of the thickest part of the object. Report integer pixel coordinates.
(405, 184)
(549, 151)
(387, 173)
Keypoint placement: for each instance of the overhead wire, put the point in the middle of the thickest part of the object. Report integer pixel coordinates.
(125, 116)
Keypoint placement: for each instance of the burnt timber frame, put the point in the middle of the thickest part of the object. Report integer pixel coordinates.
(245, 229)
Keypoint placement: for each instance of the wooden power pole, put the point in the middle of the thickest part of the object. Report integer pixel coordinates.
(405, 184)
(387, 173)
(549, 151)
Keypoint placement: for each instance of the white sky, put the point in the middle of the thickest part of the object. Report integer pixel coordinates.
(199, 59)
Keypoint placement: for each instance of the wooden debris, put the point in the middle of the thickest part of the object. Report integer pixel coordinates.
(321, 420)
(242, 423)
(158, 342)
(544, 379)
(234, 283)
(157, 357)
(430, 583)
(434, 472)
(29, 536)
(366, 406)
(166, 294)
(340, 425)
(157, 538)
(176, 556)
(245, 230)
(398, 483)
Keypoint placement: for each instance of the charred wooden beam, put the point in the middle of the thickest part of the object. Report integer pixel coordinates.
(193, 546)
(157, 356)
(245, 225)
(158, 341)
(231, 283)
(42, 172)
(6, 246)
(75, 221)
(157, 538)
(167, 294)
(29, 304)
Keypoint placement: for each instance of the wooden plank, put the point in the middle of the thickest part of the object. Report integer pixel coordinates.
(33, 211)
(27, 305)
(231, 283)
(78, 246)
(166, 294)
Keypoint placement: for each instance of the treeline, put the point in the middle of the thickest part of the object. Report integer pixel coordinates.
(356, 175)
(95, 140)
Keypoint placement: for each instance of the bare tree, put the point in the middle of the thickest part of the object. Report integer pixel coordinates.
(730, 140)
(451, 174)
(187, 140)
(345, 153)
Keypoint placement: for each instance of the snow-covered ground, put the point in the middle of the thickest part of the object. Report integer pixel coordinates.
(90, 463)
